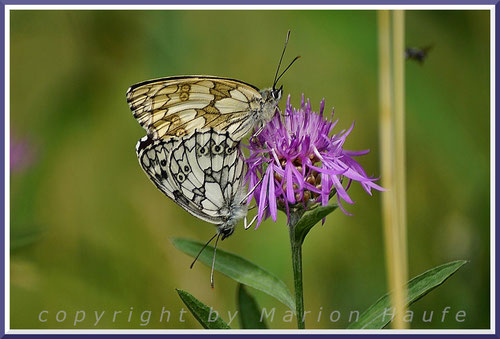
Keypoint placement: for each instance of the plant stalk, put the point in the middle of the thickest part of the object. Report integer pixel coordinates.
(296, 247)
(391, 97)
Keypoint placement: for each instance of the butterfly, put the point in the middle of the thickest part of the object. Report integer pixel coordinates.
(176, 106)
(203, 173)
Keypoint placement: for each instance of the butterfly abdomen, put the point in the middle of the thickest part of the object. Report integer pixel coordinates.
(234, 215)
(233, 211)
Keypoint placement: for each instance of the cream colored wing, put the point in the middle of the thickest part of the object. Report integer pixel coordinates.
(176, 106)
(204, 173)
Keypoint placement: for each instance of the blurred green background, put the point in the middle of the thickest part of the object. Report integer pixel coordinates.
(90, 232)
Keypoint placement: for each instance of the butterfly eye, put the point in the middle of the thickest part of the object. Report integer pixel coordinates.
(229, 150)
(181, 177)
(186, 169)
(202, 151)
(217, 149)
(163, 163)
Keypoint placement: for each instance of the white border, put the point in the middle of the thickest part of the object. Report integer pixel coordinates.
(8, 8)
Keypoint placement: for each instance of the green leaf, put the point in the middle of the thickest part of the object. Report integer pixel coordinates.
(202, 312)
(310, 219)
(373, 317)
(249, 310)
(239, 269)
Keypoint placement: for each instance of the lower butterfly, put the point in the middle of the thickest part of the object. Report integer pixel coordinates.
(203, 173)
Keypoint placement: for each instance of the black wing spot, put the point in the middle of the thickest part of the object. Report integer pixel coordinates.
(217, 149)
(202, 151)
(144, 142)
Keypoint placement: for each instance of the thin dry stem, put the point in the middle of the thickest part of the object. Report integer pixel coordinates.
(391, 97)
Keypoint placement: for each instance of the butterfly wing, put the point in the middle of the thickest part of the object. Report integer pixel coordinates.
(209, 169)
(203, 173)
(176, 106)
(154, 157)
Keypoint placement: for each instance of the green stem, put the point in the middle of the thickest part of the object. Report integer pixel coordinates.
(296, 246)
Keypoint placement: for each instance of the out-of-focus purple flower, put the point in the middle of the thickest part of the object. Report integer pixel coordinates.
(294, 163)
(22, 153)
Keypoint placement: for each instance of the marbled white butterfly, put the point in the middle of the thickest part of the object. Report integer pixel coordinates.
(177, 106)
(203, 173)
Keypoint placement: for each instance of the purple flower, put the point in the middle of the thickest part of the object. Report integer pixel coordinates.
(22, 153)
(294, 163)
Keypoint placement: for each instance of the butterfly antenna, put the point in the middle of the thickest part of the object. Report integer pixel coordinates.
(286, 69)
(279, 64)
(204, 246)
(213, 261)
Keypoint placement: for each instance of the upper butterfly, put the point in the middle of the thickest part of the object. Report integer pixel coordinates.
(177, 106)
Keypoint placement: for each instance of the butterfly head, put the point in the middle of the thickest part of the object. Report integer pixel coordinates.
(271, 96)
(277, 93)
(270, 100)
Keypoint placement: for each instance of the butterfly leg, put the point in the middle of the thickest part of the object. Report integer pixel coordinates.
(251, 191)
(256, 134)
(247, 226)
(251, 222)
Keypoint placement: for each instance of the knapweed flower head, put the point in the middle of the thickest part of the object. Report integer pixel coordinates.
(295, 163)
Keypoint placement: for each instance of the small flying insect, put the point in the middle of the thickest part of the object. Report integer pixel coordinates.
(417, 54)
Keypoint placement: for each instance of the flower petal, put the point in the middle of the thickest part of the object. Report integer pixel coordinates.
(294, 146)
(289, 183)
(262, 198)
(271, 198)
